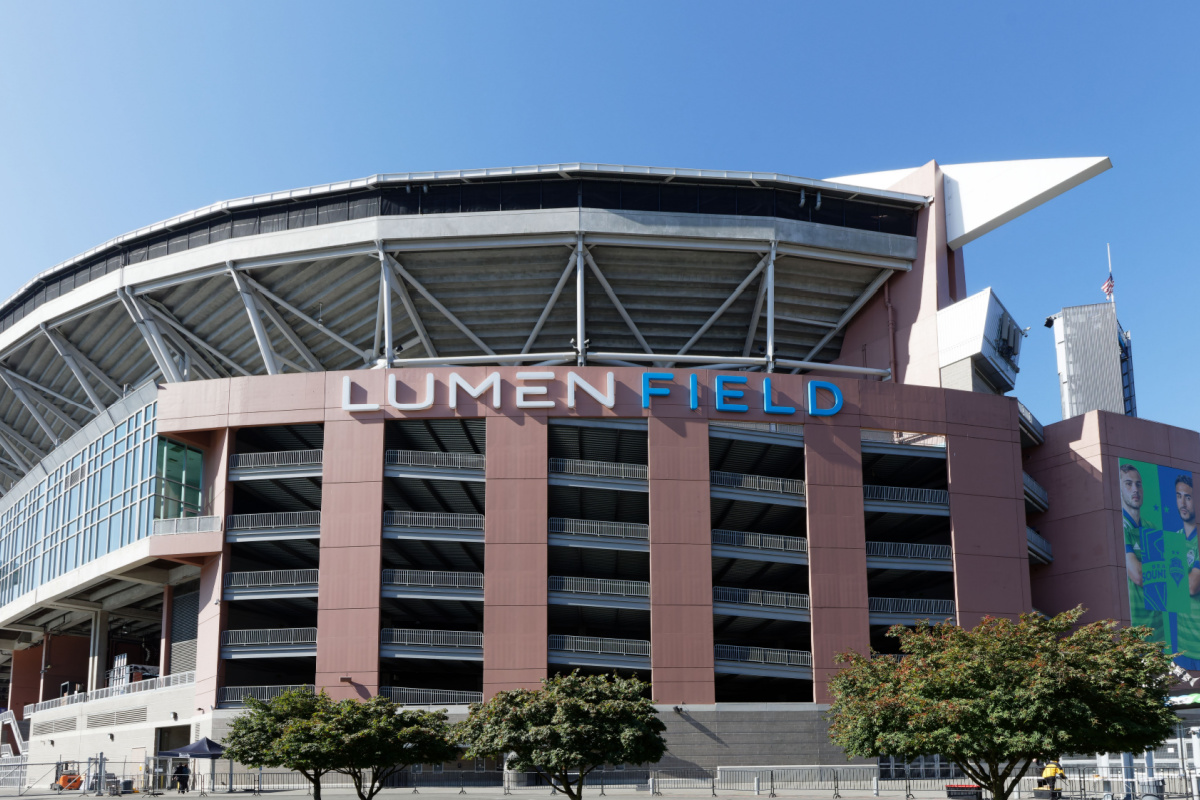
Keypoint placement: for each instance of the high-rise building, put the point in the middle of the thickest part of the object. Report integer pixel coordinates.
(1095, 360)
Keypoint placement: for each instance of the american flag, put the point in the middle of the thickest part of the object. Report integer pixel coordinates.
(1107, 288)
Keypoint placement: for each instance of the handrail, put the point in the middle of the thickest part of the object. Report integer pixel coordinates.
(419, 637)
(135, 687)
(433, 519)
(280, 458)
(1031, 420)
(599, 645)
(599, 469)
(274, 519)
(906, 550)
(186, 525)
(434, 458)
(910, 605)
(763, 655)
(257, 637)
(1035, 538)
(238, 694)
(761, 541)
(758, 597)
(274, 577)
(404, 696)
(909, 438)
(588, 527)
(905, 494)
(760, 483)
(789, 428)
(1035, 488)
(422, 577)
(560, 583)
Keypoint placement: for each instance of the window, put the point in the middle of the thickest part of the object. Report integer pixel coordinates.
(177, 480)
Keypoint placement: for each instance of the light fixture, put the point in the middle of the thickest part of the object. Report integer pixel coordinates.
(803, 199)
(817, 207)
(175, 716)
(425, 188)
(112, 737)
(346, 679)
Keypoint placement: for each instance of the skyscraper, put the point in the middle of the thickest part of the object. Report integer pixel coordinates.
(1095, 360)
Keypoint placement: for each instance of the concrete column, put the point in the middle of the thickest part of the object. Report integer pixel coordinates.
(351, 559)
(681, 614)
(837, 544)
(210, 620)
(987, 507)
(164, 638)
(98, 651)
(515, 532)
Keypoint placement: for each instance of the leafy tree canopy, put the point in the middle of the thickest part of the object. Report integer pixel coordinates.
(282, 732)
(371, 740)
(1004, 694)
(567, 728)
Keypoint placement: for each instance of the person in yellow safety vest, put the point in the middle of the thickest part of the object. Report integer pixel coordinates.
(1051, 773)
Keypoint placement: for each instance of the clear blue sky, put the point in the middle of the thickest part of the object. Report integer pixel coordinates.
(116, 115)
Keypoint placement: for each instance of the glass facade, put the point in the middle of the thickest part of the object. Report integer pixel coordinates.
(102, 498)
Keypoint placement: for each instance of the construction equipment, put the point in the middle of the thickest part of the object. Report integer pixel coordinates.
(66, 776)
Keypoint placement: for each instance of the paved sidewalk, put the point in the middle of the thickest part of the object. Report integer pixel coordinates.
(495, 794)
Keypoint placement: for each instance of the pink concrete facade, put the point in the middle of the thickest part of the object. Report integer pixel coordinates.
(1078, 466)
(984, 482)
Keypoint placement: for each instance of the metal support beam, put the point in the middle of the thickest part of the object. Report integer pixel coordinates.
(771, 309)
(558, 287)
(174, 323)
(400, 289)
(403, 273)
(716, 315)
(279, 301)
(755, 316)
(89, 365)
(15, 454)
(19, 391)
(580, 305)
(28, 445)
(69, 358)
(152, 336)
(37, 387)
(256, 325)
(849, 313)
(612, 296)
(288, 332)
(385, 306)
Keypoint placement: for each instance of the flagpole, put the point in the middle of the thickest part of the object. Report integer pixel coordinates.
(1112, 296)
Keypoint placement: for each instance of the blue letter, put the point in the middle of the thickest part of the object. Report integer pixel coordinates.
(658, 391)
(812, 399)
(693, 393)
(770, 407)
(723, 393)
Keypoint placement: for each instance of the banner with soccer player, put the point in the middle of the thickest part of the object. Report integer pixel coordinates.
(1162, 555)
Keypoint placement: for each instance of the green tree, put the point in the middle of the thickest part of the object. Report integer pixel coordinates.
(369, 741)
(1000, 696)
(284, 733)
(569, 727)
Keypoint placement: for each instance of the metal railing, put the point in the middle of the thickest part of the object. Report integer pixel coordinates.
(559, 583)
(761, 483)
(906, 550)
(757, 597)
(917, 606)
(904, 437)
(426, 638)
(1031, 420)
(790, 428)
(763, 655)
(587, 527)
(599, 469)
(259, 637)
(424, 577)
(903, 494)
(1034, 488)
(433, 519)
(282, 458)
(405, 696)
(761, 541)
(1036, 539)
(600, 646)
(238, 694)
(434, 458)
(269, 578)
(136, 687)
(275, 519)
(186, 525)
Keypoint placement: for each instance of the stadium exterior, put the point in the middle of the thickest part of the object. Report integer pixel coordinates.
(437, 435)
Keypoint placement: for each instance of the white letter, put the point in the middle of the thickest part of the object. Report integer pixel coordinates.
(526, 391)
(606, 400)
(348, 406)
(492, 380)
(420, 405)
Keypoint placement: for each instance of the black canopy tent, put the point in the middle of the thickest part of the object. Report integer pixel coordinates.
(202, 748)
